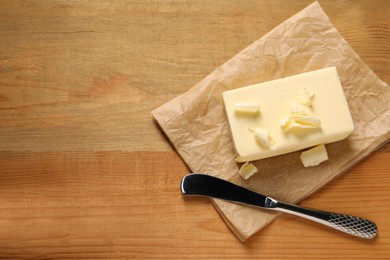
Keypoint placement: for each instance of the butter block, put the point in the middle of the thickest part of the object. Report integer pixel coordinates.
(320, 92)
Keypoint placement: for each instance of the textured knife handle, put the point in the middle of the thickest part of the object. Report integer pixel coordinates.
(352, 225)
(356, 226)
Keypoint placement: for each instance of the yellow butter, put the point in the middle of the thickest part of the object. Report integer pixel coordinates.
(306, 120)
(247, 170)
(329, 118)
(247, 108)
(314, 156)
(305, 98)
(262, 136)
(298, 109)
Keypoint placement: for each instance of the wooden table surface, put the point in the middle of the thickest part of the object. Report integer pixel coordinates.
(85, 172)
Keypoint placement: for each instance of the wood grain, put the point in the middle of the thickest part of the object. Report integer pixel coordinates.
(117, 204)
(82, 76)
(85, 171)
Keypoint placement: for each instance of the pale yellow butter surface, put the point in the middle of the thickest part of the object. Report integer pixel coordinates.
(247, 170)
(314, 156)
(329, 105)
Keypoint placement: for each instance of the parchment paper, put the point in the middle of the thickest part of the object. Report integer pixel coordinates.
(196, 124)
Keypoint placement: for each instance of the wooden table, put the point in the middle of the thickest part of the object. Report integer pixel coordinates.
(85, 172)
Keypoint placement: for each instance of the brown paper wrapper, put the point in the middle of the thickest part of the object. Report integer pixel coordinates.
(196, 123)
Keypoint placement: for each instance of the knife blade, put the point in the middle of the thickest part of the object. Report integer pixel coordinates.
(206, 185)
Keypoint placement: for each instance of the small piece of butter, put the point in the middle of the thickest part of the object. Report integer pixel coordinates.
(300, 122)
(247, 170)
(326, 119)
(314, 156)
(298, 109)
(262, 136)
(306, 120)
(247, 108)
(305, 98)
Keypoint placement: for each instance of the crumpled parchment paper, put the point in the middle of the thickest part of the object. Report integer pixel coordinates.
(197, 126)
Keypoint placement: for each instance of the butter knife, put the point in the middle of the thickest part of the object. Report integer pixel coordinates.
(206, 185)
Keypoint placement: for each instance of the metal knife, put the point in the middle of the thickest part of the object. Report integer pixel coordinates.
(206, 185)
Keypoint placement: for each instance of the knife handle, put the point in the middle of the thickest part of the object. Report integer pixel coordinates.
(352, 225)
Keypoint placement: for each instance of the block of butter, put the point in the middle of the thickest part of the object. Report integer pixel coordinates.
(289, 114)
